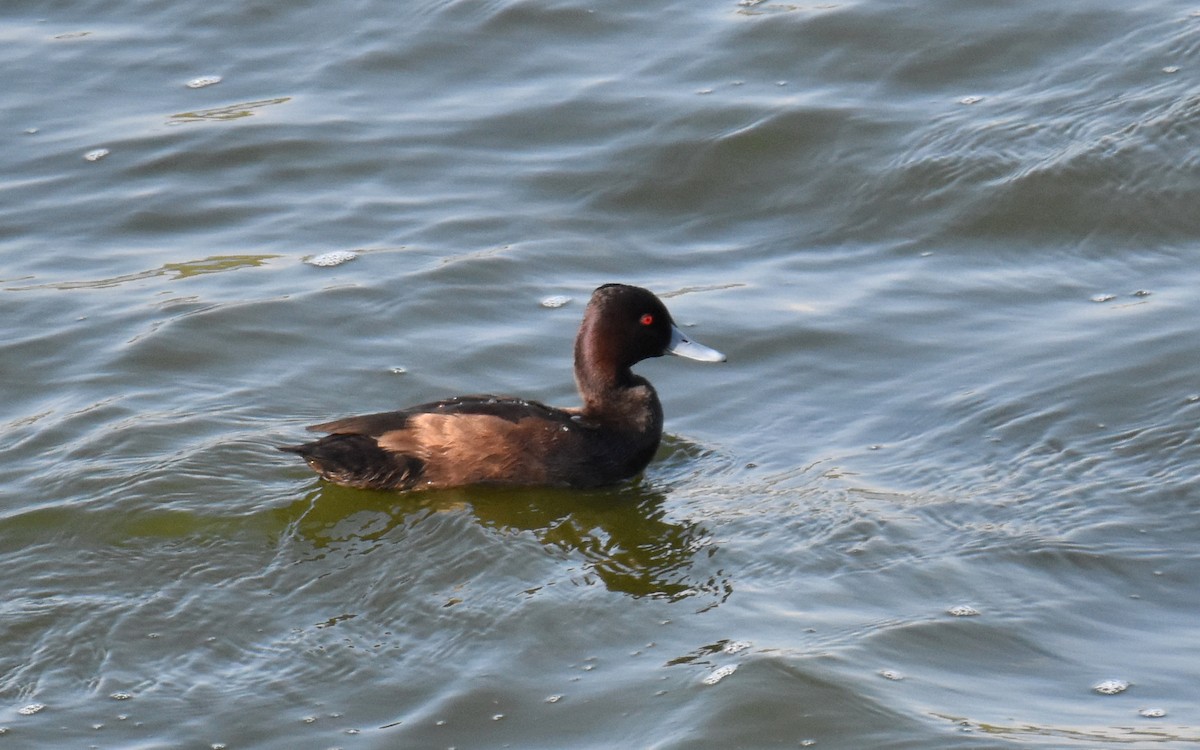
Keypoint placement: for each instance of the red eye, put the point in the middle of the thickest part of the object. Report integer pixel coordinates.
(647, 319)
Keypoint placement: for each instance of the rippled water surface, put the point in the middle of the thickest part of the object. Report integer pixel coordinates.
(942, 495)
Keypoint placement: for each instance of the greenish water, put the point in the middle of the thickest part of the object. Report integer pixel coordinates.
(943, 488)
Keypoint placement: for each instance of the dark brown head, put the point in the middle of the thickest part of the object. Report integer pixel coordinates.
(623, 325)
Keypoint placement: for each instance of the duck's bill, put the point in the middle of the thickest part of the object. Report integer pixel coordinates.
(685, 347)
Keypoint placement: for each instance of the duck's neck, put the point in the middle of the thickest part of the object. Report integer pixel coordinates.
(631, 405)
(603, 385)
(593, 382)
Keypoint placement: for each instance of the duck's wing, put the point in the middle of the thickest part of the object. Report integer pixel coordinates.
(459, 441)
(365, 424)
(504, 407)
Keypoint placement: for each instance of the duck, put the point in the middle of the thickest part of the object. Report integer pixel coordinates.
(507, 441)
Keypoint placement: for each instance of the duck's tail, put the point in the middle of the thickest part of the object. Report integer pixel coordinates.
(358, 461)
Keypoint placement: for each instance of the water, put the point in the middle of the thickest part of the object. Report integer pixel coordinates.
(942, 492)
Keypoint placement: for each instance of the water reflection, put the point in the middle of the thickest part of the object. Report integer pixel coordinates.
(211, 264)
(228, 112)
(624, 536)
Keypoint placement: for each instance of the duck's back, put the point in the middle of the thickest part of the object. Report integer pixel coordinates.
(474, 440)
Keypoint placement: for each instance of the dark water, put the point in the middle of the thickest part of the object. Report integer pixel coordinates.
(950, 249)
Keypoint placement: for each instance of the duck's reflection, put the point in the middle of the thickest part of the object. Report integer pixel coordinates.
(623, 536)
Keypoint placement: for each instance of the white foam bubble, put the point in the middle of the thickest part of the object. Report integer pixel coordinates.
(963, 610)
(556, 300)
(719, 674)
(96, 154)
(202, 81)
(31, 709)
(1152, 713)
(333, 258)
(1111, 687)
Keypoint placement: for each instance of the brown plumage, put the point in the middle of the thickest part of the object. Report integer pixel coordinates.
(472, 440)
